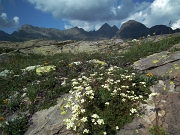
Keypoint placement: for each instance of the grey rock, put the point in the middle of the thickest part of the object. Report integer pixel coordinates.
(157, 59)
(49, 121)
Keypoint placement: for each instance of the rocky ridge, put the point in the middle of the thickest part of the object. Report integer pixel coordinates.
(129, 30)
(133, 29)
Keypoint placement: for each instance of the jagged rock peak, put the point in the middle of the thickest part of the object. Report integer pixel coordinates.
(105, 26)
(26, 26)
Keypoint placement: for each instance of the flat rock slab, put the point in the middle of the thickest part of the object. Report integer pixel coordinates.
(156, 60)
(49, 121)
(170, 69)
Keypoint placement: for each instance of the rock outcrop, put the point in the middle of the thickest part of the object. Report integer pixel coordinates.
(51, 47)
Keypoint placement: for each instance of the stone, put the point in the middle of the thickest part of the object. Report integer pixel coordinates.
(49, 121)
(156, 60)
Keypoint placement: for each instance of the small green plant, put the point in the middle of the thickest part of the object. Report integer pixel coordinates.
(16, 126)
(157, 130)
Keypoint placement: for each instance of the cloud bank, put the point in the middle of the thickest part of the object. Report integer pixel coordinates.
(91, 14)
(158, 12)
(6, 22)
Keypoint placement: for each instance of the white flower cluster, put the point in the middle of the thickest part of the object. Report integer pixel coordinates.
(80, 90)
(95, 120)
(84, 90)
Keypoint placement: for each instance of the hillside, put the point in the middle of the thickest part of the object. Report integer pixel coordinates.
(123, 87)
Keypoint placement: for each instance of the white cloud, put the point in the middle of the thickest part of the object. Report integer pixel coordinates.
(87, 14)
(91, 14)
(85, 10)
(4, 16)
(66, 26)
(156, 13)
(5, 22)
(16, 20)
(176, 25)
(82, 24)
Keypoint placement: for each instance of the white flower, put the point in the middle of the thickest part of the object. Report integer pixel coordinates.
(75, 108)
(107, 103)
(100, 121)
(85, 131)
(134, 84)
(133, 110)
(123, 86)
(91, 97)
(6, 123)
(153, 94)
(88, 88)
(142, 82)
(67, 105)
(76, 63)
(82, 100)
(93, 120)
(91, 75)
(90, 92)
(73, 80)
(95, 116)
(123, 99)
(74, 128)
(84, 77)
(117, 127)
(69, 124)
(115, 91)
(118, 81)
(84, 119)
(80, 79)
(74, 83)
(83, 110)
(104, 133)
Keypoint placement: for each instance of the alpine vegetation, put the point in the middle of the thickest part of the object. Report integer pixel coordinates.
(102, 102)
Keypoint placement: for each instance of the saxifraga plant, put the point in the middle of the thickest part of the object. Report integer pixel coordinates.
(104, 101)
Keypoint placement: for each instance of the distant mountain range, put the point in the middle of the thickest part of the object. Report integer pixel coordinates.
(129, 30)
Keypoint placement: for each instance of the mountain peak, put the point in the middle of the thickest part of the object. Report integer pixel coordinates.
(129, 30)
(105, 26)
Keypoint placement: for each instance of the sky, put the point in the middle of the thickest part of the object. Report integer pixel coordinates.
(87, 14)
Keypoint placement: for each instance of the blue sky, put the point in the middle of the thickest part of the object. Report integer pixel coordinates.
(86, 14)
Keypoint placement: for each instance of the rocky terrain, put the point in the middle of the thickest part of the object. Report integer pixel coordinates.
(164, 110)
(51, 47)
(129, 30)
